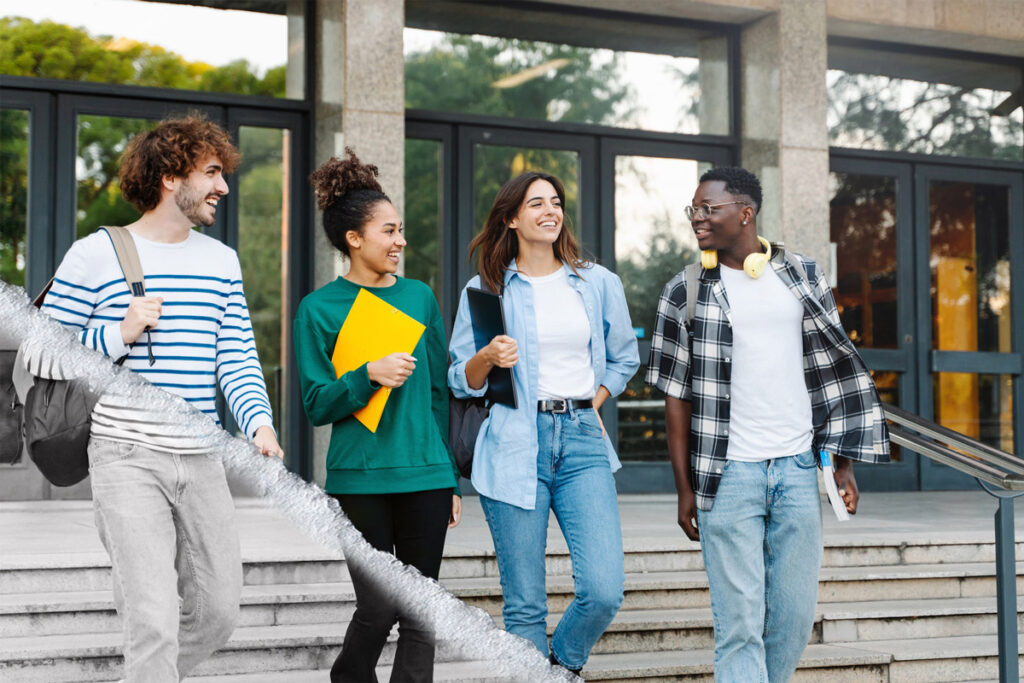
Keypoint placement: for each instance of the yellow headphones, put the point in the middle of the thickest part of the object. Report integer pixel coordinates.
(753, 265)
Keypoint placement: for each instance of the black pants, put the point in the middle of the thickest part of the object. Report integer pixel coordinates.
(412, 526)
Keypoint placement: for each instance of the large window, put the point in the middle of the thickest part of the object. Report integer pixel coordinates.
(907, 102)
(161, 44)
(685, 90)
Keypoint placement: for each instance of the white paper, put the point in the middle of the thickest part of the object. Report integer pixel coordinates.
(828, 473)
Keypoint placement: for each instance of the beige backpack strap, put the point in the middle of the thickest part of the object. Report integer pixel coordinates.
(128, 257)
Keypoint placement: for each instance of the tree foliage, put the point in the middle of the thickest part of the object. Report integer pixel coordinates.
(51, 50)
(879, 112)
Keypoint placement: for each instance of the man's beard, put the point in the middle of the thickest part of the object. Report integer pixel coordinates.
(191, 204)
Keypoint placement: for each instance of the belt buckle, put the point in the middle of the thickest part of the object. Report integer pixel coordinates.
(560, 405)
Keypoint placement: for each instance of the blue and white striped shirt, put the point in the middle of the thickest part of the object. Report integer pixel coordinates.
(204, 337)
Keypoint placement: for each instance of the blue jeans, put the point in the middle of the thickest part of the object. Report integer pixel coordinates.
(763, 602)
(575, 480)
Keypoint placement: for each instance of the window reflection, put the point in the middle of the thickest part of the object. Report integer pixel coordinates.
(101, 139)
(642, 421)
(263, 198)
(14, 137)
(423, 229)
(970, 266)
(979, 406)
(887, 382)
(653, 238)
(653, 242)
(161, 44)
(932, 105)
(863, 227)
(556, 82)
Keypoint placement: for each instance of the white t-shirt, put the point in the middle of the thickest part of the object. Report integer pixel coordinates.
(770, 409)
(563, 334)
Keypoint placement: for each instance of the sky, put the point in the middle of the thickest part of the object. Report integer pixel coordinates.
(196, 33)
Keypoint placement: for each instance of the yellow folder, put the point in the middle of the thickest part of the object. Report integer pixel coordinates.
(373, 329)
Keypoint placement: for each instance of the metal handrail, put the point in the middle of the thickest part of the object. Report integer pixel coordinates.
(990, 467)
(973, 447)
(957, 460)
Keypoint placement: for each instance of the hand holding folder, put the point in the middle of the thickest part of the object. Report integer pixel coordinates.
(373, 329)
(488, 317)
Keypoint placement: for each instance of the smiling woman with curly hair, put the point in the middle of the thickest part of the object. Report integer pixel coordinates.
(398, 484)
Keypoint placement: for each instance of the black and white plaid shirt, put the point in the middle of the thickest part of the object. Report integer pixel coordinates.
(846, 412)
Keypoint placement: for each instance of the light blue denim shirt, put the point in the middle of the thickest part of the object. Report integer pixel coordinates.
(505, 458)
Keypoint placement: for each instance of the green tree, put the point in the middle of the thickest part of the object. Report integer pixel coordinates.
(879, 112)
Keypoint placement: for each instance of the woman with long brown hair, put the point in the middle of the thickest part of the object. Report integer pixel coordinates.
(571, 346)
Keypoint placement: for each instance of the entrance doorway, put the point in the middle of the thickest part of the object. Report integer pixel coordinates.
(625, 193)
(929, 277)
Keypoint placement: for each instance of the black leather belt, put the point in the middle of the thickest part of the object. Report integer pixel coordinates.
(562, 405)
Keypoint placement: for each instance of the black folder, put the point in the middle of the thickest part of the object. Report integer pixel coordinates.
(488, 317)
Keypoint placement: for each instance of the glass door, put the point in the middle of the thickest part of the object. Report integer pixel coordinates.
(970, 245)
(647, 240)
(25, 232)
(871, 228)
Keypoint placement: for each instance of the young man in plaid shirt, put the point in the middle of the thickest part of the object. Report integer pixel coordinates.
(759, 377)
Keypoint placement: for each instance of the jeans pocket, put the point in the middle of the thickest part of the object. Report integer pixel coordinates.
(806, 460)
(589, 424)
(102, 452)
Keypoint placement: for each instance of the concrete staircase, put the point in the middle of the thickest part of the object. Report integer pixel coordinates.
(890, 609)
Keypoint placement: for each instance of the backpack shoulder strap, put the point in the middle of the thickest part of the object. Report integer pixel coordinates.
(127, 257)
(692, 287)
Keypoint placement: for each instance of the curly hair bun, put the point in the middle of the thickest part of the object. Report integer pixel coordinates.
(337, 177)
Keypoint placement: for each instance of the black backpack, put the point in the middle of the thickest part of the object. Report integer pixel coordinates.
(57, 415)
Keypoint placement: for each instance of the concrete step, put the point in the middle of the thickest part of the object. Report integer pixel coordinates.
(963, 658)
(91, 656)
(904, 619)
(332, 602)
(38, 573)
(93, 611)
(61, 573)
(915, 581)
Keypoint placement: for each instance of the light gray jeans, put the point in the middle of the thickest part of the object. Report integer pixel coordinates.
(168, 523)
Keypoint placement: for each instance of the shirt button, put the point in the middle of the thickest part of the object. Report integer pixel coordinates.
(727, 395)
(726, 359)
(725, 432)
(718, 470)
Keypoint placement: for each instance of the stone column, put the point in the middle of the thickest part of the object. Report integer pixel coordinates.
(360, 103)
(783, 128)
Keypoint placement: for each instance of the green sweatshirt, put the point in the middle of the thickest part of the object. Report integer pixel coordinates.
(409, 451)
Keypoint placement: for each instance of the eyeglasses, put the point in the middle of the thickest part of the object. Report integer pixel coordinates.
(702, 212)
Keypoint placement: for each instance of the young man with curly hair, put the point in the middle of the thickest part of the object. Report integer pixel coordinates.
(759, 378)
(163, 509)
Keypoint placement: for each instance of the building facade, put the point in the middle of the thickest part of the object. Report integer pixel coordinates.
(889, 137)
